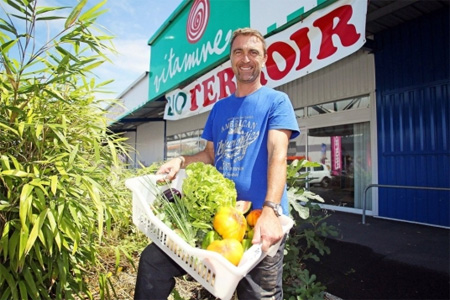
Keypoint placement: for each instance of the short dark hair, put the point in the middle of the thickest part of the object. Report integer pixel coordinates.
(249, 31)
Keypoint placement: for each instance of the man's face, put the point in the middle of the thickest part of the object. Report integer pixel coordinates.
(247, 58)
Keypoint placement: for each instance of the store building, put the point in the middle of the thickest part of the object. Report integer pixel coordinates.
(372, 101)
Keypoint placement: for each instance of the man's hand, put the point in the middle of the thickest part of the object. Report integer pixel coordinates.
(268, 230)
(171, 168)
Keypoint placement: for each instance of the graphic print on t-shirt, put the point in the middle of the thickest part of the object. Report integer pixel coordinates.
(241, 132)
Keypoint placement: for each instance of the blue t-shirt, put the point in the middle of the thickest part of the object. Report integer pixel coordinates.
(239, 127)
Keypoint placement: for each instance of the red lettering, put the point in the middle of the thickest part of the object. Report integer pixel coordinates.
(287, 53)
(226, 81)
(208, 91)
(193, 92)
(263, 78)
(301, 39)
(346, 32)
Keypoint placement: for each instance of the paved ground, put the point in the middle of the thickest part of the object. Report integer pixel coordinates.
(385, 259)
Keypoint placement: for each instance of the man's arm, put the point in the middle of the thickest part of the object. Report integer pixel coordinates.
(174, 165)
(268, 230)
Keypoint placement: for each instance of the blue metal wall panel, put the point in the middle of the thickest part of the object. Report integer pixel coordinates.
(413, 115)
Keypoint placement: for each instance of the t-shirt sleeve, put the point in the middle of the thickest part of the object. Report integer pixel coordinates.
(207, 131)
(283, 116)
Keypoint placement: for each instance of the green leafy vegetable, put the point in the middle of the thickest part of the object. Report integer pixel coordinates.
(205, 189)
(170, 209)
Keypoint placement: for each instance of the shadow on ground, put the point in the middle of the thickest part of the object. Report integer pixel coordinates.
(353, 271)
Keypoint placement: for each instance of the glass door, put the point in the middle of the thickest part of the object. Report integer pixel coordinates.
(338, 136)
(346, 165)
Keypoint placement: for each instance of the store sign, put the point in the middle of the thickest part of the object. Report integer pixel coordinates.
(193, 42)
(323, 38)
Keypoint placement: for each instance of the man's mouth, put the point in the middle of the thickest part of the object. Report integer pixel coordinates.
(245, 68)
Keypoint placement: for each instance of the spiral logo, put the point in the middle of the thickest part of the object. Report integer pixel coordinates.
(197, 20)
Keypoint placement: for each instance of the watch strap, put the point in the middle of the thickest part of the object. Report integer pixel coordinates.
(275, 206)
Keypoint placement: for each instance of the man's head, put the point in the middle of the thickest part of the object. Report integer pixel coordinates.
(248, 32)
(248, 55)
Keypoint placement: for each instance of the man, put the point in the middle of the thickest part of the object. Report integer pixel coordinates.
(247, 137)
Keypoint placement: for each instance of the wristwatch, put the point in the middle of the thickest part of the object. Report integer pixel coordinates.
(276, 207)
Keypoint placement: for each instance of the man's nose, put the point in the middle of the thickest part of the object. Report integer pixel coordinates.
(245, 58)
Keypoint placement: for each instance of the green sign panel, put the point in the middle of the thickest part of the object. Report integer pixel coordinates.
(194, 39)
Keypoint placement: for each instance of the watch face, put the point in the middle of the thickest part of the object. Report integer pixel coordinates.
(276, 208)
(279, 210)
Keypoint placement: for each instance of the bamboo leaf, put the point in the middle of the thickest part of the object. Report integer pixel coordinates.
(25, 203)
(6, 127)
(23, 290)
(5, 162)
(32, 289)
(38, 252)
(49, 18)
(63, 64)
(23, 239)
(6, 295)
(4, 241)
(112, 148)
(62, 138)
(93, 66)
(8, 45)
(49, 237)
(35, 230)
(21, 128)
(11, 282)
(17, 7)
(16, 173)
(39, 128)
(37, 182)
(43, 10)
(96, 151)
(53, 184)
(38, 274)
(51, 221)
(12, 247)
(7, 27)
(73, 154)
(75, 13)
(100, 218)
(93, 12)
(16, 163)
(58, 240)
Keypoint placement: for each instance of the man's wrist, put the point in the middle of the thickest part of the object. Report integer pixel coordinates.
(276, 207)
(182, 160)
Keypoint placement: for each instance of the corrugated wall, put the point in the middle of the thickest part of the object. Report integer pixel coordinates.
(349, 77)
(413, 115)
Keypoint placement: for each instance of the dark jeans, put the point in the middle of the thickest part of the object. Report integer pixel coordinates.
(155, 278)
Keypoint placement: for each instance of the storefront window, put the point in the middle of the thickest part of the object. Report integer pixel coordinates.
(340, 105)
(343, 150)
(185, 143)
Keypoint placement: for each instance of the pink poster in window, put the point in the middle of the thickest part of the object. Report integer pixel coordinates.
(336, 155)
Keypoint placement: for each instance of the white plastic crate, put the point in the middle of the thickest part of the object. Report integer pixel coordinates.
(210, 269)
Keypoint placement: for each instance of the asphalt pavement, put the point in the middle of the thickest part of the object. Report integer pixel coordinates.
(384, 259)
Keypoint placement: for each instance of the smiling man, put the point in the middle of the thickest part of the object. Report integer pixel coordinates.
(247, 138)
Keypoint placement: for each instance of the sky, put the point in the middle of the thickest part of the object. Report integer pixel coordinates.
(132, 23)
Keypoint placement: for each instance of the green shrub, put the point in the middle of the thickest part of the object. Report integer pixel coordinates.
(58, 163)
(307, 240)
